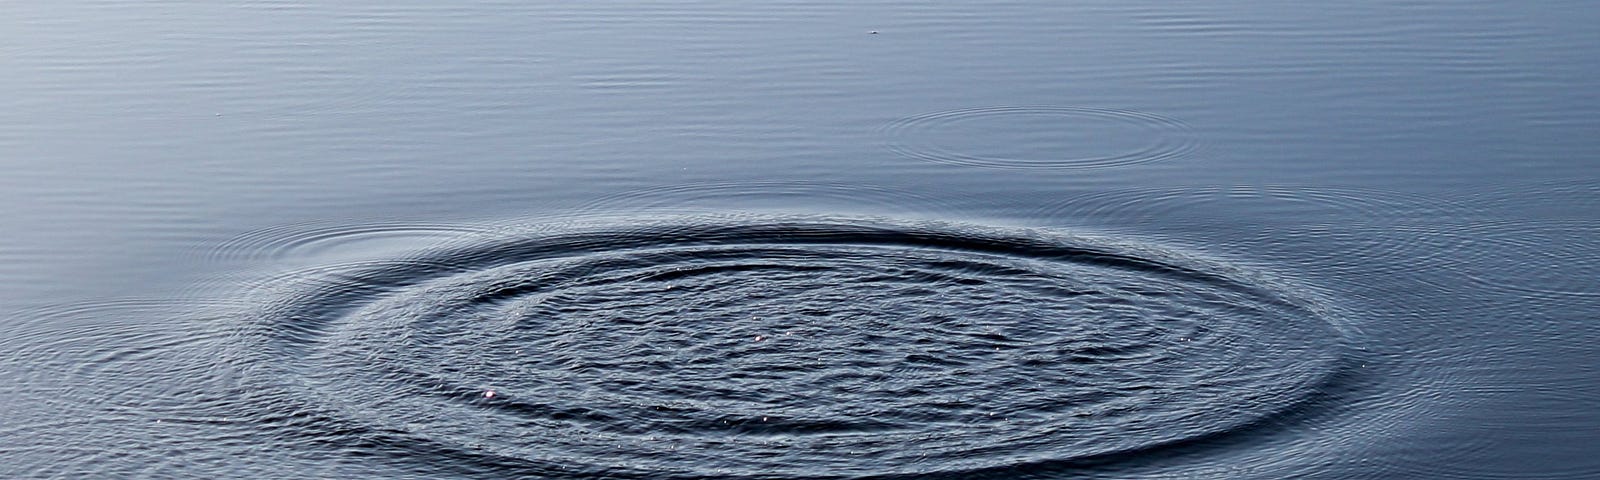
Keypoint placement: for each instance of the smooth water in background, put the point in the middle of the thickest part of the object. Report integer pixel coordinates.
(881, 239)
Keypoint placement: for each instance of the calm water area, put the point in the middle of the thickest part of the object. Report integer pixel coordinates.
(697, 239)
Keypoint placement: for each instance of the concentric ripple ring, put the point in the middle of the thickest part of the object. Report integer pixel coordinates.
(788, 347)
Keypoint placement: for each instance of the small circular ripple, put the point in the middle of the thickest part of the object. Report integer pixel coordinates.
(89, 356)
(1137, 137)
(119, 387)
(1298, 203)
(1336, 229)
(777, 347)
(1550, 200)
(1547, 259)
(774, 197)
(310, 239)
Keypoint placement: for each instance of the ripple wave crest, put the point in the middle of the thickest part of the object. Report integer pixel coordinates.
(763, 347)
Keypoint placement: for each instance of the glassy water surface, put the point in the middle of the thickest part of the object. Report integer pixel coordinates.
(884, 239)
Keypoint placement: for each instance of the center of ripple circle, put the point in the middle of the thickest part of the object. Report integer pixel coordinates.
(797, 347)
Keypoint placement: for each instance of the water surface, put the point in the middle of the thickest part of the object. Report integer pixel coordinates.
(702, 239)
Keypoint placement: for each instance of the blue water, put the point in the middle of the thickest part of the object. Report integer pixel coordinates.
(883, 239)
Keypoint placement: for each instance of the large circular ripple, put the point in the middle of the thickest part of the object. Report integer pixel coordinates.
(764, 347)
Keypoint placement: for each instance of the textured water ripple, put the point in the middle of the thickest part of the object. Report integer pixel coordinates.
(773, 347)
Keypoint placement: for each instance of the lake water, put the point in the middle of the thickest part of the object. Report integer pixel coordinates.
(879, 239)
